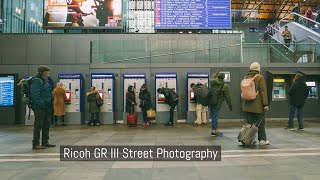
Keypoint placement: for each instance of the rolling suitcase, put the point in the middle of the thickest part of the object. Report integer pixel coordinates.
(132, 119)
(248, 132)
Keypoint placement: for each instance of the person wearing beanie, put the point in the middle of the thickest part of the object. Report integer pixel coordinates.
(298, 93)
(220, 93)
(145, 103)
(254, 109)
(41, 97)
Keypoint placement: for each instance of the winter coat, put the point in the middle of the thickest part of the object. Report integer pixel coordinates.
(145, 98)
(215, 84)
(92, 99)
(59, 95)
(286, 35)
(170, 95)
(40, 94)
(298, 93)
(256, 105)
(130, 101)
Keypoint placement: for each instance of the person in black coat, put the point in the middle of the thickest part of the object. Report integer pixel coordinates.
(172, 99)
(130, 100)
(298, 93)
(145, 103)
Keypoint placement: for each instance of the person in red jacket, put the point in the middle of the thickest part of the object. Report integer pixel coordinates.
(309, 16)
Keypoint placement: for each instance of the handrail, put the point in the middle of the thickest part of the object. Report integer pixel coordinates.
(278, 30)
(309, 37)
(294, 41)
(282, 54)
(293, 13)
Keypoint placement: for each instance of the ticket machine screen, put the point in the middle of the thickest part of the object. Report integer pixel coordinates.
(161, 97)
(313, 93)
(191, 96)
(101, 94)
(68, 97)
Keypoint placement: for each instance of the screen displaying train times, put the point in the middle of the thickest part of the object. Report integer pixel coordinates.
(7, 85)
(82, 14)
(192, 14)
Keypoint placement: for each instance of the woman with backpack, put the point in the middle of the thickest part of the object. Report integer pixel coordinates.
(145, 103)
(94, 109)
(59, 95)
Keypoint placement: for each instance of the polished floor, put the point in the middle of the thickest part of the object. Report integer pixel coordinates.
(291, 154)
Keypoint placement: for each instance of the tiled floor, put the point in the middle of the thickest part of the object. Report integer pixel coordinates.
(291, 155)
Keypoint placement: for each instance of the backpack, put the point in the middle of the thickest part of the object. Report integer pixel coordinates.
(248, 88)
(25, 92)
(202, 94)
(99, 101)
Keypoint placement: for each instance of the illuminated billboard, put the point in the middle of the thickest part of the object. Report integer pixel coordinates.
(82, 14)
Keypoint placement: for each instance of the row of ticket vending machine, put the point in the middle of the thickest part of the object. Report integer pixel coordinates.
(105, 84)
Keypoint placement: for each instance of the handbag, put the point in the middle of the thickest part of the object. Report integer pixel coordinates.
(151, 113)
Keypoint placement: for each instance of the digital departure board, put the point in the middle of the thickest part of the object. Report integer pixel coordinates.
(7, 90)
(192, 14)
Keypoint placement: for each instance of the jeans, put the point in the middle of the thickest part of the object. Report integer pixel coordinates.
(214, 117)
(144, 114)
(172, 107)
(201, 114)
(253, 118)
(291, 116)
(95, 117)
(41, 123)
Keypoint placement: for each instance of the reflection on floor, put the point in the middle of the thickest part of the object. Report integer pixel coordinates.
(291, 155)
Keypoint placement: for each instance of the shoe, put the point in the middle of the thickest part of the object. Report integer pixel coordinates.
(49, 145)
(169, 124)
(91, 124)
(204, 123)
(144, 124)
(254, 142)
(148, 124)
(38, 147)
(289, 128)
(300, 129)
(62, 124)
(219, 133)
(264, 142)
(213, 134)
(98, 124)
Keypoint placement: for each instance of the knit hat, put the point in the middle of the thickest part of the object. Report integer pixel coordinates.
(255, 66)
(221, 75)
(43, 68)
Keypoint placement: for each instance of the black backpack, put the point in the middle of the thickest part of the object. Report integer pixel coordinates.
(99, 101)
(202, 94)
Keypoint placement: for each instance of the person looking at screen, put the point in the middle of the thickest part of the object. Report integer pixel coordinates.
(172, 99)
(94, 109)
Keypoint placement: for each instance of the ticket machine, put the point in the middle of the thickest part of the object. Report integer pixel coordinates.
(196, 78)
(104, 83)
(167, 80)
(136, 80)
(73, 85)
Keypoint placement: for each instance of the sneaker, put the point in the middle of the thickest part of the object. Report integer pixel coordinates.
(289, 128)
(213, 134)
(144, 124)
(98, 124)
(48, 145)
(38, 147)
(264, 142)
(169, 124)
(219, 133)
(91, 124)
(300, 129)
(62, 124)
(204, 123)
(147, 124)
(254, 142)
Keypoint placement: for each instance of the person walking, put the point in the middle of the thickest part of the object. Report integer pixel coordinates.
(298, 94)
(41, 97)
(59, 95)
(255, 109)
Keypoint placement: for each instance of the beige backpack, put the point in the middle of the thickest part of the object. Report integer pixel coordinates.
(248, 88)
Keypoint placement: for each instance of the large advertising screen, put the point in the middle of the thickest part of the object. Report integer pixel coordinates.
(82, 14)
(7, 90)
(192, 14)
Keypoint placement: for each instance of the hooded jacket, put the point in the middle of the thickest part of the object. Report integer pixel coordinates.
(145, 98)
(130, 99)
(215, 84)
(298, 93)
(256, 105)
(92, 99)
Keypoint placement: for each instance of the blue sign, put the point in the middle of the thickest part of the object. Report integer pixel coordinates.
(192, 14)
(7, 90)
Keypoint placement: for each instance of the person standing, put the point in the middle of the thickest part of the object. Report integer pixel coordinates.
(40, 94)
(298, 94)
(130, 100)
(145, 104)
(287, 37)
(172, 99)
(220, 92)
(296, 9)
(94, 109)
(254, 109)
(200, 109)
(309, 16)
(59, 95)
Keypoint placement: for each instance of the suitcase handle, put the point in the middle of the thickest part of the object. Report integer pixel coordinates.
(260, 120)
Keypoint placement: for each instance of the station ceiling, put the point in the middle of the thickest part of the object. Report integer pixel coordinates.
(273, 9)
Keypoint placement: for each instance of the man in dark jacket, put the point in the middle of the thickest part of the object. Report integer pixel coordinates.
(220, 92)
(145, 104)
(40, 94)
(172, 99)
(200, 109)
(94, 109)
(255, 108)
(298, 93)
(296, 9)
